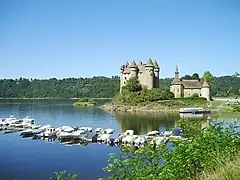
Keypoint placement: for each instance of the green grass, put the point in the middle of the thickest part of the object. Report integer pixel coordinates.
(227, 171)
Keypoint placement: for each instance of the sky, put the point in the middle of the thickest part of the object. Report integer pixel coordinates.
(62, 38)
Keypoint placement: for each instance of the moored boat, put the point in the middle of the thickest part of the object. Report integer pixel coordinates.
(194, 110)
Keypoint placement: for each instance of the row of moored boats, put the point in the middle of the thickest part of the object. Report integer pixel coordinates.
(28, 128)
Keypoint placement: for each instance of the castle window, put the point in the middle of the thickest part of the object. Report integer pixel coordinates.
(125, 78)
(177, 90)
(200, 95)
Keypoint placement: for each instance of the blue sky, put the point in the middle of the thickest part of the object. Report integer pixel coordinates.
(60, 38)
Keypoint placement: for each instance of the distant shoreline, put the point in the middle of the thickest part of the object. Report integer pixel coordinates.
(51, 98)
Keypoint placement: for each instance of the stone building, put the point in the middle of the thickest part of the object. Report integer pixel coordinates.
(147, 74)
(186, 88)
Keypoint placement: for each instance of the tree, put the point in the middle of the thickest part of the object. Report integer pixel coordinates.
(208, 76)
(133, 85)
(195, 76)
(188, 77)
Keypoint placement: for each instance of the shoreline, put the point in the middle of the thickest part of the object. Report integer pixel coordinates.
(51, 98)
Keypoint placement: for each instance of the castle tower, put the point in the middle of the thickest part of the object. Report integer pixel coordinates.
(156, 74)
(176, 85)
(205, 91)
(133, 69)
(150, 74)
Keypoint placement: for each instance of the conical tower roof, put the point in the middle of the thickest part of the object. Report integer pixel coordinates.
(127, 63)
(155, 64)
(133, 64)
(205, 83)
(149, 62)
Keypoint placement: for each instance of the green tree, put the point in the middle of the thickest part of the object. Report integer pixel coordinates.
(195, 76)
(133, 85)
(208, 76)
(188, 77)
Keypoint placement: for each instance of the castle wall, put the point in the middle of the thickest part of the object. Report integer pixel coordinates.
(190, 92)
(177, 90)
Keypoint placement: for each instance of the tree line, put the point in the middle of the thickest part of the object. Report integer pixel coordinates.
(99, 87)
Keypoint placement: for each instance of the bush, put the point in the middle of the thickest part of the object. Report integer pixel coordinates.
(186, 159)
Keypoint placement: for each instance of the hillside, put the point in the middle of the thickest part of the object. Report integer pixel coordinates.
(97, 87)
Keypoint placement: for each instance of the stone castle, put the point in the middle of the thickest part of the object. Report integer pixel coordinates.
(147, 74)
(186, 88)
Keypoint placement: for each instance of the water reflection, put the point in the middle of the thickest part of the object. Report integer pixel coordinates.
(142, 123)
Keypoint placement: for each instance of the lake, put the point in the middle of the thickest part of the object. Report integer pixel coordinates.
(24, 158)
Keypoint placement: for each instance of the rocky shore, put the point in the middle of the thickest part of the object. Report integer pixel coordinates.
(151, 107)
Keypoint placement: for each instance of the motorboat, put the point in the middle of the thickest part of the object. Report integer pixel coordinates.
(87, 129)
(194, 110)
(108, 131)
(64, 135)
(49, 132)
(153, 133)
(99, 130)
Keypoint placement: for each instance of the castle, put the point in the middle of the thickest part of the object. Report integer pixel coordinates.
(147, 74)
(186, 88)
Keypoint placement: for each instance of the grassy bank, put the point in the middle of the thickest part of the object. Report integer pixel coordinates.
(228, 171)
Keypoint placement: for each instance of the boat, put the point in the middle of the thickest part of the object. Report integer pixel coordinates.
(194, 110)
(108, 131)
(49, 132)
(87, 129)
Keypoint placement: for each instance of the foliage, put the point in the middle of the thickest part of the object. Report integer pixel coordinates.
(228, 171)
(133, 94)
(63, 176)
(184, 160)
(85, 102)
(195, 76)
(96, 87)
(133, 85)
(189, 77)
(208, 76)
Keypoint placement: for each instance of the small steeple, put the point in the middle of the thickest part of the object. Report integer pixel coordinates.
(127, 64)
(133, 64)
(155, 64)
(176, 79)
(149, 62)
(205, 83)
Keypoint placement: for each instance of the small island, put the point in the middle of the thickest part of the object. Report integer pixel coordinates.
(85, 102)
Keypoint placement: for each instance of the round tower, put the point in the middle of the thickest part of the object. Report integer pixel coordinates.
(150, 74)
(205, 91)
(156, 74)
(121, 77)
(133, 69)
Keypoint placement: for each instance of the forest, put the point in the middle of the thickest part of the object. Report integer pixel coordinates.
(97, 87)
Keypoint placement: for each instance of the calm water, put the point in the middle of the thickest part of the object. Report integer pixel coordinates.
(24, 159)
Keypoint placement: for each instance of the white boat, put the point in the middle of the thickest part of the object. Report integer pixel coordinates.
(88, 129)
(140, 140)
(128, 132)
(99, 130)
(153, 133)
(78, 133)
(44, 127)
(108, 131)
(49, 132)
(63, 135)
(103, 137)
(194, 110)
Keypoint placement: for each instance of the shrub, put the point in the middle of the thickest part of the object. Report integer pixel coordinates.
(186, 159)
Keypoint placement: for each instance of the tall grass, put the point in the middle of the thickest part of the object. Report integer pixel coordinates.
(230, 170)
